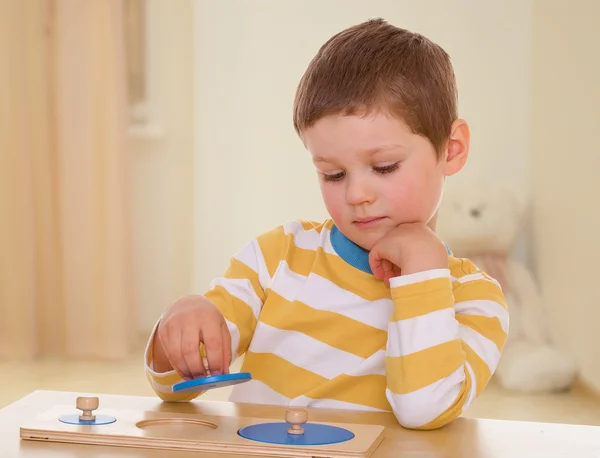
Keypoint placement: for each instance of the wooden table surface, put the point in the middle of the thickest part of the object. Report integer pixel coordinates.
(469, 438)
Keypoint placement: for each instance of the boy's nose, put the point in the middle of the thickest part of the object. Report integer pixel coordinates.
(358, 192)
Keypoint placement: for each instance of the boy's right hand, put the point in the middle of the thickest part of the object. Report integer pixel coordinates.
(184, 325)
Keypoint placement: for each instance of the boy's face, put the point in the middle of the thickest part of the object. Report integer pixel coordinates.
(375, 174)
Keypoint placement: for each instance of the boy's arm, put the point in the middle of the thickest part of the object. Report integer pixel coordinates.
(444, 344)
(239, 295)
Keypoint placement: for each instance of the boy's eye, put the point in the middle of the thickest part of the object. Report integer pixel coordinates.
(386, 168)
(382, 170)
(335, 177)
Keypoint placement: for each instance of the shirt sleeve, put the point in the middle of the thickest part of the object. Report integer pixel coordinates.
(445, 338)
(239, 294)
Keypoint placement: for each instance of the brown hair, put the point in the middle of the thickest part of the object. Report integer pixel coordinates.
(375, 65)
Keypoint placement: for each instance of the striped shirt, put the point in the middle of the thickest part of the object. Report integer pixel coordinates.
(318, 329)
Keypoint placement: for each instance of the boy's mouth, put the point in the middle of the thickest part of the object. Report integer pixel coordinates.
(369, 221)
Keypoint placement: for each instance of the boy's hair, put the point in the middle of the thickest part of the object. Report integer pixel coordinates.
(377, 66)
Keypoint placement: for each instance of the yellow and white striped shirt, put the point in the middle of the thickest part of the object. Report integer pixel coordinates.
(318, 331)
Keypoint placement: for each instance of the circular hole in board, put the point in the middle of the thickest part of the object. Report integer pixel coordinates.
(176, 428)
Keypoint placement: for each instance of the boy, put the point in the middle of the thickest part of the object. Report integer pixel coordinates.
(367, 310)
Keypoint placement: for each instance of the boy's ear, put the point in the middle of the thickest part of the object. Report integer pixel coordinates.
(457, 149)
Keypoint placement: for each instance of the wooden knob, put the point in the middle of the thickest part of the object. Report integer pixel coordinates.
(296, 417)
(87, 405)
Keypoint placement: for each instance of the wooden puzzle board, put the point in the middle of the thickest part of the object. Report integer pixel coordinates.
(179, 431)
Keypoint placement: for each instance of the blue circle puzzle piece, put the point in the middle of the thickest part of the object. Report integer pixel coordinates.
(100, 420)
(314, 434)
(208, 383)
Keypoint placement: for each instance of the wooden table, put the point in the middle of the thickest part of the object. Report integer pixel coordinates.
(468, 438)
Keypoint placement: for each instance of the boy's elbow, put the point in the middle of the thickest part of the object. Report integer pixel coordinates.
(410, 420)
(415, 425)
(420, 422)
(421, 414)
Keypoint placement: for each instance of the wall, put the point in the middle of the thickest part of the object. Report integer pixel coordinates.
(252, 173)
(565, 164)
(163, 158)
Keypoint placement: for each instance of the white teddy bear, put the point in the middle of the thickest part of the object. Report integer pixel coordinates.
(482, 223)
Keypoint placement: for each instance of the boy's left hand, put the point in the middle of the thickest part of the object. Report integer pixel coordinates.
(407, 249)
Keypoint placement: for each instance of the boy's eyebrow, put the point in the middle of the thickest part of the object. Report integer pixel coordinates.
(378, 149)
(369, 152)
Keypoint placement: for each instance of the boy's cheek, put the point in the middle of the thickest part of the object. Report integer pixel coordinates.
(333, 204)
(418, 208)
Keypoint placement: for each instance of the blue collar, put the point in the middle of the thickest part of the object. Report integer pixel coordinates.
(350, 252)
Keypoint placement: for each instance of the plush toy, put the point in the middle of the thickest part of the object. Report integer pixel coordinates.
(483, 223)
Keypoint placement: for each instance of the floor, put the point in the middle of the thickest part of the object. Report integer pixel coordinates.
(579, 406)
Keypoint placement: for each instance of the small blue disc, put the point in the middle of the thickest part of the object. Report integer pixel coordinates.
(314, 434)
(208, 383)
(100, 420)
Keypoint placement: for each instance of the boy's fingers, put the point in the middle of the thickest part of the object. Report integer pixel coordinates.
(387, 267)
(213, 343)
(386, 278)
(375, 263)
(389, 271)
(190, 348)
(381, 267)
(177, 360)
(163, 338)
(226, 340)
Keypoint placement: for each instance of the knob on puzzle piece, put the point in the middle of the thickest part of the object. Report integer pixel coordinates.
(296, 431)
(87, 405)
(296, 418)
